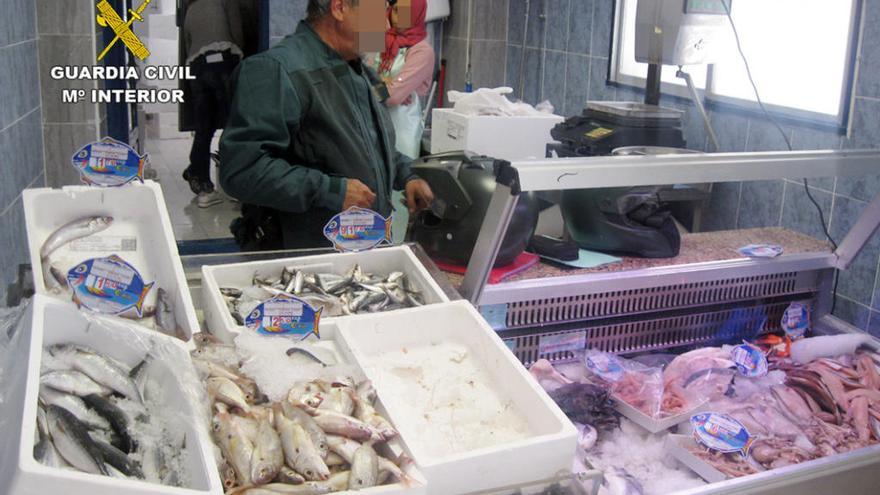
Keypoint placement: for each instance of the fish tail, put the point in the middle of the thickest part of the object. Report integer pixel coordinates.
(139, 307)
(142, 164)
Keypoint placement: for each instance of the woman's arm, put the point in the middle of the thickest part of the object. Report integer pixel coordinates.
(418, 69)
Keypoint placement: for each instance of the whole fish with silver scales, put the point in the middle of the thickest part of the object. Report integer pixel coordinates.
(354, 292)
(82, 424)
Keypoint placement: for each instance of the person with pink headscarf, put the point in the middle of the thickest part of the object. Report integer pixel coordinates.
(407, 67)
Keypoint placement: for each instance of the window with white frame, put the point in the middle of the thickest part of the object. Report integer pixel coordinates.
(800, 53)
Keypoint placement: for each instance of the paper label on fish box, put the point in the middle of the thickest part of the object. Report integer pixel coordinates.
(750, 360)
(284, 315)
(108, 285)
(552, 344)
(796, 320)
(722, 433)
(358, 229)
(761, 250)
(109, 163)
(104, 243)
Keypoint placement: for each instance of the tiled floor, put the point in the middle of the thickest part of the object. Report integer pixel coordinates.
(168, 158)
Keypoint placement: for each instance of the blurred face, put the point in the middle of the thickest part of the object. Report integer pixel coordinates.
(361, 27)
(401, 15)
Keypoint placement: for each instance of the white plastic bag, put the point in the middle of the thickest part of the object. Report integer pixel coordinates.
(493, 102)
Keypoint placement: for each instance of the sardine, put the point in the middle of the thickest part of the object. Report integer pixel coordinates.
(53, 277)
(227, 392)
(74, 405)
(299, 281)
(100, 369)
(166, 320)
(334, 423)
(302, 418)
(73, 382)
(395, 277)
(231, 292)
(236, 447)
(364, 468)
(117, 458)
(299, 451)
(72, 231)
(293, 351)
(268, 456)
(72, 440)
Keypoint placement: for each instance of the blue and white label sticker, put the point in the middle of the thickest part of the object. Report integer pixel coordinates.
(722, 433)
(796, 320)
(109, 163)
(606, 366)
(284, 315)
(563, 342)
(760, 250)
(108, 285)
(495, 315)
(358, 229)
(750, 360)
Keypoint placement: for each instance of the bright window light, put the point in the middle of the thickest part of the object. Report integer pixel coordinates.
(797, 51)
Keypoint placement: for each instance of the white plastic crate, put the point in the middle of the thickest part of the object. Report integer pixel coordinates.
(140, 218)
(54, 322)
(506, 138)
(547, 449)
(385, 260)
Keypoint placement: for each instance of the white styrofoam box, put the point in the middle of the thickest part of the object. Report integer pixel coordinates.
(437, 9)
(138, 212)
(550, 447)
(383, 260)
(54, 322)
(506, 138)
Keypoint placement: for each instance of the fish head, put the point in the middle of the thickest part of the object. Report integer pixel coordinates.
(263, 472)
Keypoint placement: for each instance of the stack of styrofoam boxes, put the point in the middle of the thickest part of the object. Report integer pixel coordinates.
(54, 322)
(380, 261)
(140, 233)
(162, 38)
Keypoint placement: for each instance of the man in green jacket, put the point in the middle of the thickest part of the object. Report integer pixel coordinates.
(307, 135)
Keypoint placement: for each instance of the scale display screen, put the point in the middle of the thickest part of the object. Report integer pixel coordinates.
(705, 7)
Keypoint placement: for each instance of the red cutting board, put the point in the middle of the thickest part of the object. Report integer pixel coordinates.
(522, 262)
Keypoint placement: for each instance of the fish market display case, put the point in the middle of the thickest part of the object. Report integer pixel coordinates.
(708, 295)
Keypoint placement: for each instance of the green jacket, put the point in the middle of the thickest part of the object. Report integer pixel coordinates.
(301, 122)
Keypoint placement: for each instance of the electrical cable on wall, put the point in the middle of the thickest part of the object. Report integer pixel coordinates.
(787, 143)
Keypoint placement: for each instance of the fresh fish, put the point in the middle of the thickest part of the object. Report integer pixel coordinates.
(117, 458)
(299, 281)
(338, 481)
(289, 476)
(619, 482)
(587, 436)
(333, 459)
(364, 468)
(53, 277)
(346, 447)
(365, 412)
(116, 418)
(302, 418)
(72, 440)
(231, 292)
(100, 369)
(299, 451)
(366, 391)
(44, 451)
(249, 426)
(226, 355)
(73, 382)
(307, 488)
(237, 448)
(227, 474)
(165, 317)
(306, 393)
(227, 392)
(154, 464)
(338, 399)
(299, 351)
(74, 405)
(239, 320)
(72, 231)
(334, 423)
(268, 456)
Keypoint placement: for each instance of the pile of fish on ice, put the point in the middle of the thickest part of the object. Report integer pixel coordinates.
(352, 292)
(324, 436)
(58, 282)
(822, 400)
(98, 416)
